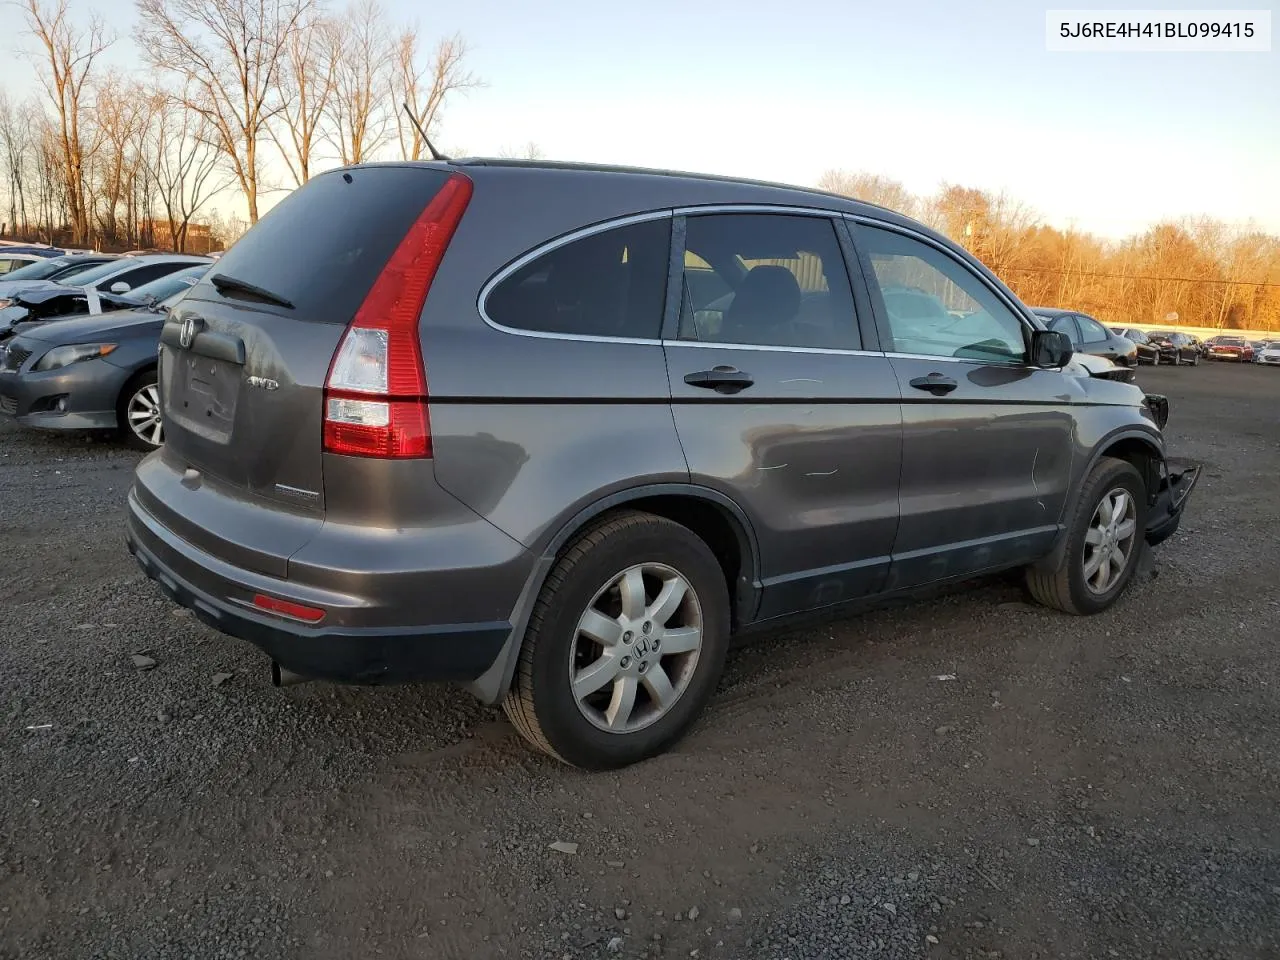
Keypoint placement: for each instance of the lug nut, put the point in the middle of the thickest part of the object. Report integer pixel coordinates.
(646, 626)
(626, 662)
(626, 637)
(657, 644)
(644, 667)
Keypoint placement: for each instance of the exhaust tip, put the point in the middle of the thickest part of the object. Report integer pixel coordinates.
(283, 677)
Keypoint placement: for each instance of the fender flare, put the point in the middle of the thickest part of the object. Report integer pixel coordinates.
(492, 686)
(1152, 440)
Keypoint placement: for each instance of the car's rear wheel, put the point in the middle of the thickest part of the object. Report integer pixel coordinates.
(1104, 539)
(625, 645)
(1195, 359)
(1155, 359)
(138, 412)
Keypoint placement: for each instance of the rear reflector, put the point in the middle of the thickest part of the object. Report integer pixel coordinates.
(288, 609)
(375, 402)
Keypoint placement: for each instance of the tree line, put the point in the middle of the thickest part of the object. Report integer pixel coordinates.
(1208, 273)
(101, 157)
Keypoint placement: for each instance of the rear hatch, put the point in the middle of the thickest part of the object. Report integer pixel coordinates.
(245, 355)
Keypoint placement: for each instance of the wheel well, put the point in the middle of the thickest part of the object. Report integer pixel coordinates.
(1144, 457)
(149, 367)
(717, 528)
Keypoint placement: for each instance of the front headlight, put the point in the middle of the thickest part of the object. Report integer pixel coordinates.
(73, 353)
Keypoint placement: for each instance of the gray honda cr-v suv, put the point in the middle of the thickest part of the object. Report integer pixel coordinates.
(558, 432)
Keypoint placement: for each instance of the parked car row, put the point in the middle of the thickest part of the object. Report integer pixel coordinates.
(1125, 346)
(1131, 346)
(16, 256)
(81, 354)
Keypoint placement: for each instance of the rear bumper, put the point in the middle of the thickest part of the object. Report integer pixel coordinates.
(455, 652)
(1177, 480)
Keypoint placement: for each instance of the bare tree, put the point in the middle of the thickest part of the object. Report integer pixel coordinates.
(64, 65)
(230, 55)
(183, 163)
(15, 148)
(530, 151)
(121, 109)
(307, 79)
(871, 187)
(360, 104)
(425, 90)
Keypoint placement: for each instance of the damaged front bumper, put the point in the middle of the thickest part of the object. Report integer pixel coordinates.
(1177, 479)
(1173, 481)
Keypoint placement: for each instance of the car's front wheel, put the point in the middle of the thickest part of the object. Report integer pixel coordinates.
(625, 644)
(138, 412)
(1104, 539)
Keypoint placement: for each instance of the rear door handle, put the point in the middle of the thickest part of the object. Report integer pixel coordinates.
(935, 383)
(720, 379)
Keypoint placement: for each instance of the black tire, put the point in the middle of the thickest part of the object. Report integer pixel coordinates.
(541, 703)
(139, 382)
(1063, 587)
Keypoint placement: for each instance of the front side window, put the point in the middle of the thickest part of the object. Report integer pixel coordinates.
(935, 306)
(607, 284)
(93, 275)
(768, 280)
(1091, 331)
(1065, 324)
(142, 275)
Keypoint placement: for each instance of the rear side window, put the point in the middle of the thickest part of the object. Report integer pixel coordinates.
(608, 284)
(323, 245)
(766, 279)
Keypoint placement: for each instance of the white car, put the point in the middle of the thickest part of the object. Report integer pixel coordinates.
(1270, 353)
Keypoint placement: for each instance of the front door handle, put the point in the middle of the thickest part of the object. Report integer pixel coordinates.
(935, 383)
(720, 379)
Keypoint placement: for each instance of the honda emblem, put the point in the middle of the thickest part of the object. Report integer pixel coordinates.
(187, 335)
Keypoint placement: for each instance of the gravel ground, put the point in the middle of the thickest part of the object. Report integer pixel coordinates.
(1083, 788)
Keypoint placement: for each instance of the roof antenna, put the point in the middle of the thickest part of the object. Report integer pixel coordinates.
(435, 154)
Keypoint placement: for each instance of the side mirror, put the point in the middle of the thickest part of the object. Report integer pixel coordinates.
(1050, 348)
(120, 287)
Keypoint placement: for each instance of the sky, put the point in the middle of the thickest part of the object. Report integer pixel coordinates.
(923, 92)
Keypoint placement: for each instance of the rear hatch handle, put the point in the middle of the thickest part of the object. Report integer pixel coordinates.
(190, 334)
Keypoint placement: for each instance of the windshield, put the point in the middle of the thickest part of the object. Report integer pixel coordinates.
(166, 287)
(1231, 341)
(100, 272)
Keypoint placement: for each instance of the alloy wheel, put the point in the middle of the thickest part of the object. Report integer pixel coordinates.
(636, 648)
(143, 414)
(1110, 539)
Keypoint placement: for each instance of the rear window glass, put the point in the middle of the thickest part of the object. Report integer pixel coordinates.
(608, 284)
(322, 247)
(38, 270)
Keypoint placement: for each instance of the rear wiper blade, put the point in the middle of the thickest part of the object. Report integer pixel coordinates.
(224, 283)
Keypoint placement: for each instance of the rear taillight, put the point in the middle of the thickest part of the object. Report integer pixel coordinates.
(375, 397)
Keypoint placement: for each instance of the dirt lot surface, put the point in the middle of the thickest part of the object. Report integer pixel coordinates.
(1091, 788)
